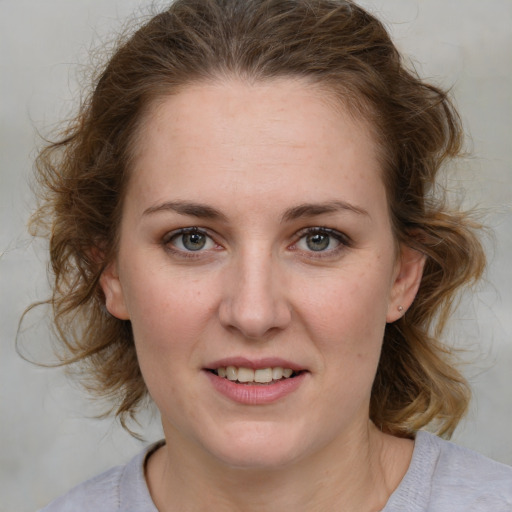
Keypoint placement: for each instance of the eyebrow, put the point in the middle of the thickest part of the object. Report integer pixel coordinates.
(202, 211)
(314, 209)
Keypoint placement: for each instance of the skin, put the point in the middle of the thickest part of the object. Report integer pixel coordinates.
(254, 153)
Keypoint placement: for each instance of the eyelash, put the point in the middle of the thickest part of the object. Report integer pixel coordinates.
(173, 235)
(343, 240)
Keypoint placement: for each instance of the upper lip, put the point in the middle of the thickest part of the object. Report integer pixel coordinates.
(255, 364)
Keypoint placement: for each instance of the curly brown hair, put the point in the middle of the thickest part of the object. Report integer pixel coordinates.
(334, 43)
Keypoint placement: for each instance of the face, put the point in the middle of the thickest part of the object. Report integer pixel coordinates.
(258, 268)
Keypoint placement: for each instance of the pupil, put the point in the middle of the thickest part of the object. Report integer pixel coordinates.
(194, 241)
(318, 242)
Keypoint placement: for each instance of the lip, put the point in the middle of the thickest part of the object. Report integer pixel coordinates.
(254, 364)
(255, 394)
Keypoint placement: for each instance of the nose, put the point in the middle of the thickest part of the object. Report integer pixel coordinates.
(254, 301)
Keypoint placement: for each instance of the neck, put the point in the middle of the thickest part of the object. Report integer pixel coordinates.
(357, 473)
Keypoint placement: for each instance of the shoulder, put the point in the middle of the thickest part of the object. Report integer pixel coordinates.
(100, 494)
(122, 488)
(444, 477)
(474, 481)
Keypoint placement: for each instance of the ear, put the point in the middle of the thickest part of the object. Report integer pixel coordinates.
(406, 283)
(113, 291)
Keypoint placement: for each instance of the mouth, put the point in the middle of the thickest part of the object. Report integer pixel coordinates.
(259, 376)
(256, 382)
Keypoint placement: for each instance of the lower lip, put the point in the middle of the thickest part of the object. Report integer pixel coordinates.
(254, 394)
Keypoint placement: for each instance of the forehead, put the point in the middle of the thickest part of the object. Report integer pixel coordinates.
(282, 137)
(264, 104)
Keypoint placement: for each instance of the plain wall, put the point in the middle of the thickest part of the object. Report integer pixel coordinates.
(47, 441)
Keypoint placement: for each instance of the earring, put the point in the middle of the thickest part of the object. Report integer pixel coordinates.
(400, 308)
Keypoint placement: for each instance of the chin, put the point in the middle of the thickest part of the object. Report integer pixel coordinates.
(258, 447)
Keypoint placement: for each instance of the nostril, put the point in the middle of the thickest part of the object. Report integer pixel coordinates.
(253, 301)
(255, 321)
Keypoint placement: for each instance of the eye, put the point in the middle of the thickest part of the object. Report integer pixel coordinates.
(318, 241)
(189, 240)
(321, 240)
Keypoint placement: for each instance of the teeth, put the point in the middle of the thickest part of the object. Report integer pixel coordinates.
(261, 376)
(245, 375)
(231, 373)
(277, 373)
(264, 375)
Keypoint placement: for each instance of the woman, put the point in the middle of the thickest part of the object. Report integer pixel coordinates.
(244, 225)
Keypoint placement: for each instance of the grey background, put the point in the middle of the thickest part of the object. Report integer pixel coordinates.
(47, 440)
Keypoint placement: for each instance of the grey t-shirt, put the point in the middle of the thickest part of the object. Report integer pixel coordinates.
(442, 477)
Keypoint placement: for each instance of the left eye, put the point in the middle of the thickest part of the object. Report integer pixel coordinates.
(319, 240)
(191, 241)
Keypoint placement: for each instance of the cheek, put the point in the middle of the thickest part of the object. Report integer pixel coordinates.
(169, 319)
(346, 316)
(168, 310)
(349, 298)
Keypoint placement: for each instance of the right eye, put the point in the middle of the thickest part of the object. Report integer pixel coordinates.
(189, 240)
